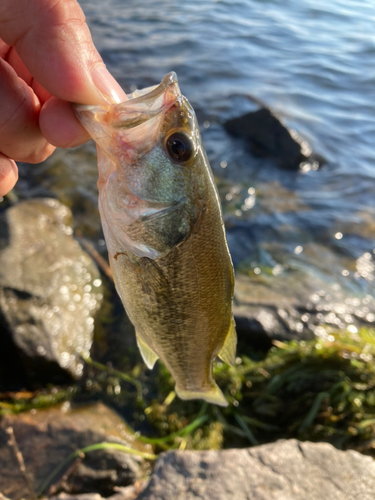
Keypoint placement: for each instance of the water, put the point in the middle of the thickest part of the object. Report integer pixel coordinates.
(312, 63)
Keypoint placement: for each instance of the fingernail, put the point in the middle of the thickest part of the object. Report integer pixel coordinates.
(106, 84)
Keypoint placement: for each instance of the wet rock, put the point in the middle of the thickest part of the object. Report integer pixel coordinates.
(256, 328)
(267, 136)
(50, 290)
(59, 177)
(47, 437)
(285, 470)
(296, 306)
(287, 291)
(118, 344)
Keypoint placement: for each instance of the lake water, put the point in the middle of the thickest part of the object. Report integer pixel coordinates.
(310, 61)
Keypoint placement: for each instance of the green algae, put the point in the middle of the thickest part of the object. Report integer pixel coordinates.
(319, 390)
(316, 391)
(17, 402)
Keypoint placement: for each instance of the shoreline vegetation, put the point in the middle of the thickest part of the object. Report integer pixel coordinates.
(317, 388)
(318, 391)
(310, 390)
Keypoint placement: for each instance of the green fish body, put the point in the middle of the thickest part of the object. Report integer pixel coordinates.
(165, 236)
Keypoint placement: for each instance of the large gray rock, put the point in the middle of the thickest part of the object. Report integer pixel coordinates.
(45, 438)
(50, 290)
(285, 470)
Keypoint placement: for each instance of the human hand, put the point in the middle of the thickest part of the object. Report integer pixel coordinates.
(47, 60)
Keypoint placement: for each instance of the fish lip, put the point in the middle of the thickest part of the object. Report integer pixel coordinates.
(143, 103)
(146, 104)
(151, 92)
(143, 106)
(144, 100)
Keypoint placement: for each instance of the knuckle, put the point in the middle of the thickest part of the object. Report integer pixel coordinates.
(38, 154)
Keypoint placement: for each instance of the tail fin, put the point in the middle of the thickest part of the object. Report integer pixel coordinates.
(213, 395)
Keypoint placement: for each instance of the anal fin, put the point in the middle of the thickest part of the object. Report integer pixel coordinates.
(228, 352)
(148, 355)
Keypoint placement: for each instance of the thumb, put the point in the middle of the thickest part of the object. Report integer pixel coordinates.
(54, 42)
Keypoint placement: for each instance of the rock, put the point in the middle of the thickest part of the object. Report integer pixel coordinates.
(287, 291)
(47, 437)
(267, 136)
(127, 493)
(256, 328)
(285, 470)
(84, 496)
(296, 306)
(50, 290)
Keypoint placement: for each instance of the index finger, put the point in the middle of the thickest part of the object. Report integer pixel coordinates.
(55, 44)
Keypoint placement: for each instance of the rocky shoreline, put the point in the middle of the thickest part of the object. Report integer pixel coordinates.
(34, 444)
(50, 291)
(71, 379)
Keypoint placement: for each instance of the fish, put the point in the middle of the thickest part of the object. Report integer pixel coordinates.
(164, 230)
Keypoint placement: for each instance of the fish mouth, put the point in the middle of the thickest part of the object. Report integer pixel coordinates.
(145, 104)
(141, 106)
(136, 123)
(155, 90)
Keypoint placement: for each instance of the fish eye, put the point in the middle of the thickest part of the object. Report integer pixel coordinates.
(180, 146)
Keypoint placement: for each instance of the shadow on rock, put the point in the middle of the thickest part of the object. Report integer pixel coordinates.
(45, 438)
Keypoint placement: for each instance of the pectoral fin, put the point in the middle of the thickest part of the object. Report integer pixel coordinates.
(148, 355)
(228, 351)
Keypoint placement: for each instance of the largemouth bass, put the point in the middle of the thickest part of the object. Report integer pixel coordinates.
(165, 236)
